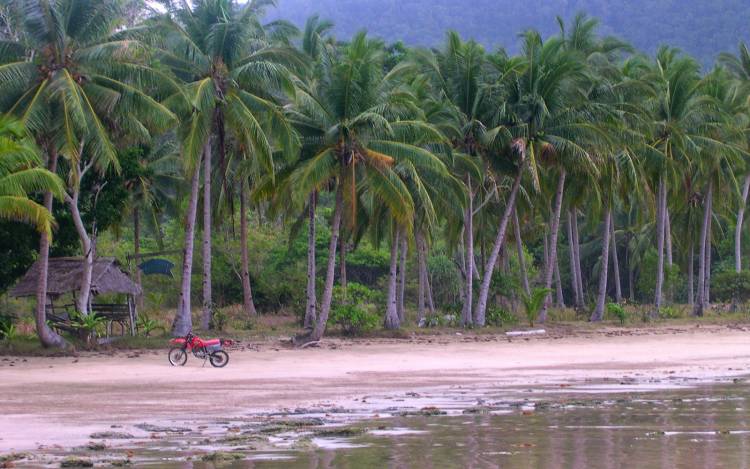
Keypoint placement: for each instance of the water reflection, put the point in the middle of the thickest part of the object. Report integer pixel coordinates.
(705, 428)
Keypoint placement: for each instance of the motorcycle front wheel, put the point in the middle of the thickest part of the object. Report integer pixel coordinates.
(219, 359)
(177, 356)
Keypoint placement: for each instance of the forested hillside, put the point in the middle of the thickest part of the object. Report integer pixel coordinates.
(703, 28)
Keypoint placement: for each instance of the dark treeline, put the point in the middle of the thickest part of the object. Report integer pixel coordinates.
(364, 183)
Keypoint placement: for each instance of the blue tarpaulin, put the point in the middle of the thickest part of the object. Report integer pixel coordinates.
(157, 267)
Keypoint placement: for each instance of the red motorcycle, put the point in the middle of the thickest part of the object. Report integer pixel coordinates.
(210, 349)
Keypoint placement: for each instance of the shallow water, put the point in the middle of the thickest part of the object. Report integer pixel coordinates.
(706, 427)
(615, 425)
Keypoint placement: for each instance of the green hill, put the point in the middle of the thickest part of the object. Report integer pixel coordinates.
(701, 27)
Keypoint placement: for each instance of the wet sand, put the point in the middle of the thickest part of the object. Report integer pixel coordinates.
(60, 401)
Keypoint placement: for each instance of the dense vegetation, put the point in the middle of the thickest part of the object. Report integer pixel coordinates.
(358, 184)
(703, 29)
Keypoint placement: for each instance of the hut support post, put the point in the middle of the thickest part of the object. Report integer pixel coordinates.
(132, 313)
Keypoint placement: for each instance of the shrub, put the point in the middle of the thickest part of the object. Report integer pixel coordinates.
(671, 312)
(86, 325)
(499, 317)
(354, 308)
(219, 320)
(441, 320)
(7, 328)
(731, 286)
(146, 325)
(616, 310)
(353, 319)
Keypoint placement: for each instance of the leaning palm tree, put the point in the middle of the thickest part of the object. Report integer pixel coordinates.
(76, 83)
(233, 75)
(358, 127)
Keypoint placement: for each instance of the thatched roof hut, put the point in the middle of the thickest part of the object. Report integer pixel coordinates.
(64, 276)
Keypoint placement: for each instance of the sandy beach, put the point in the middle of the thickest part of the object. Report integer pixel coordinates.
(48, 401)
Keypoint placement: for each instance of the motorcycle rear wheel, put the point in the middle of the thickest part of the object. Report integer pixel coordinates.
(219, 359)
(177, 356)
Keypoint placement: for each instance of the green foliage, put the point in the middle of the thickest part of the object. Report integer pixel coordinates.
(500, 317)
(445, 279)
(646, 282)
(442, 320)
(617, 310)
(533, 303)
(731, 286)
(8, 329)
(147, 325)
(354, 309)
(87, 326)
(219, 319)
(672, 312)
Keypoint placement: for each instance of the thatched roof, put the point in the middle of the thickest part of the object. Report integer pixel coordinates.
(64, 276)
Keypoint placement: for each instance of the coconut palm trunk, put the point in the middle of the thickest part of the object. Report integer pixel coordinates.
(421, 276)
(555, 229)
(342, 263)
(392, 320)
(573, 269)
(183, 321)
(466, 312)
(691, 275)
(738, 227)
(601, 297)
(615, 260)
(312, 301)
(137, 253)
(83, 300)
(660, 216)
(325, 306)
(577, 246)
(707, 283)
(489, 267)
(402, 278)
(560, 299)
(248, 305)
(521, 255)
(207, 224)
(667, 234)
(700, 304)
(47, 336)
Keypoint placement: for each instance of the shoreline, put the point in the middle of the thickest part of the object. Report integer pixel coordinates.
(62, 400)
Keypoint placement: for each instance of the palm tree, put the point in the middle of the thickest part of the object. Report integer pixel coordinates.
(72, 78)
(722, 142)
(152, 189)
(677, 119)
(739, 67)
(233, 74)
(359, 127)
(549, 119)
(468, 88)
(21, 175)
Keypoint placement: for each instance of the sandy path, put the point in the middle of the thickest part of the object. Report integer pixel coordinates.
(61, 400)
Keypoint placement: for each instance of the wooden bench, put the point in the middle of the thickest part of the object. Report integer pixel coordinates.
(120, 314)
